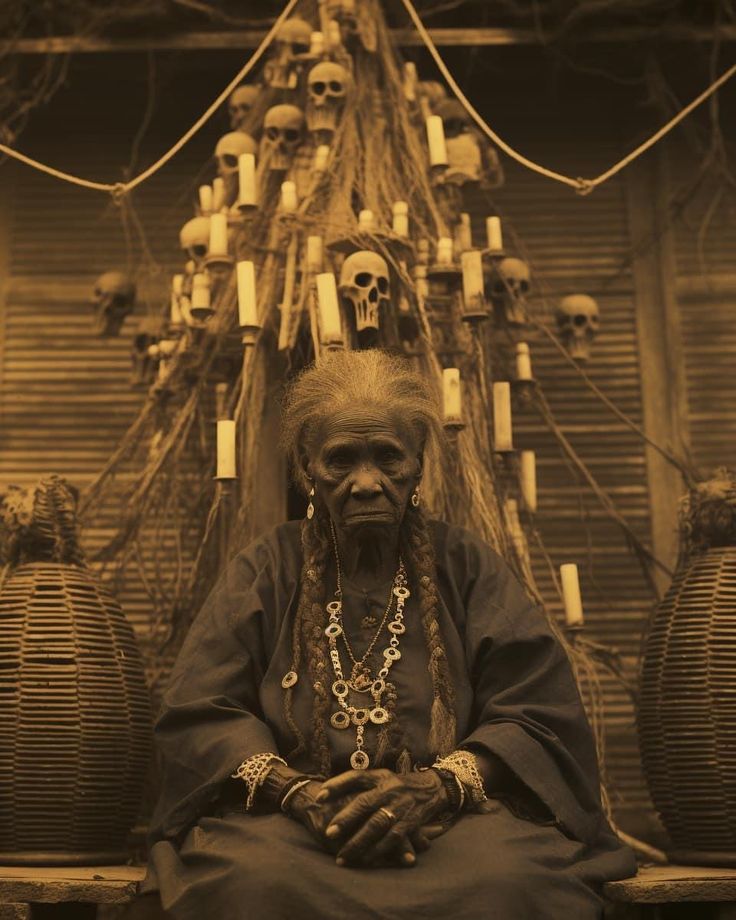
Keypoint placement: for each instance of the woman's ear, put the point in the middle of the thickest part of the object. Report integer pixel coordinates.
(305, 468)
(420, 464)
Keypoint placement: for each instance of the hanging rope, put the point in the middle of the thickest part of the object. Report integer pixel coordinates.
(582, 186)
(118, 189)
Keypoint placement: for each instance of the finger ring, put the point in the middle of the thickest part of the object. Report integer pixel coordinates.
(389, 814)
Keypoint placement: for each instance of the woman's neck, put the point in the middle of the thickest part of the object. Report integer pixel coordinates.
(368, 559)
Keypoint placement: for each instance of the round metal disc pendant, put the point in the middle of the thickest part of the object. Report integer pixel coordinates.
(360, 717)
(397, 628)
(379, 715)
(393, 654)
(333, 631)
(334, 607)
(289, 679)
(340, 688)
(340, 719)
(359, 760)
(378, 686)
(400, 591)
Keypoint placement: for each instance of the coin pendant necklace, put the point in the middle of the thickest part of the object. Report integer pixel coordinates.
(361, 680)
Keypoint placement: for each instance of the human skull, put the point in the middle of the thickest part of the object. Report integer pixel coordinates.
(291, 46)
(464, 160)
(364, 282)
(113, 299)
(455, 119)
(283, 128)
(240, 104)
(510, 283)
(328, 87)
(578, 323)
(194, 238)
(144, 353)
(229, 148)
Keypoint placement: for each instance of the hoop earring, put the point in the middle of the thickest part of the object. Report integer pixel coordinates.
(415, 498)
(310, 506)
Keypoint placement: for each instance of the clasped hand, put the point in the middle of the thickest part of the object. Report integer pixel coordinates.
(370, 817)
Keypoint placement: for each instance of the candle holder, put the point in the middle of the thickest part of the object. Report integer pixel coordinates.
(476, 313)
(219, 263)
(507, 458)
(401, 248)
(225, 481)
(249, 334)
(524, 390)
(334, 345)
(448, 272)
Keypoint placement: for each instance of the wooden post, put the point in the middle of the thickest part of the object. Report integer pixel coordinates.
(660, 349)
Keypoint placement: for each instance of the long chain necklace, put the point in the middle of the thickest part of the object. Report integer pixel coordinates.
(361, 681)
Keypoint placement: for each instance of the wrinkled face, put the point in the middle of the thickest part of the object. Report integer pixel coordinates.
(365, 465)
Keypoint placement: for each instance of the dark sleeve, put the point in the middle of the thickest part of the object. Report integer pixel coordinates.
(527, 708)
(210, 718)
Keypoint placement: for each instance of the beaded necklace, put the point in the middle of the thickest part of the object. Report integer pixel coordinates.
(361, 680)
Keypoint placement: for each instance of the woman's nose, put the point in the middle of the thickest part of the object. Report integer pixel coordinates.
(366, 483)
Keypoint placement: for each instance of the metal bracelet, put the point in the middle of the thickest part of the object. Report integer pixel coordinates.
(463, 764)
(253, 772)
(292, 790)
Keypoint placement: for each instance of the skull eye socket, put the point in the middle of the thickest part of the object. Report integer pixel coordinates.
(230, 160)
(454, 126)
(580, 319)
(300, 48)
(272, 133)
(291, 135)
(319, 87)
(199, 250)
(383, 285)
(523, 286)
(335, 86)
(364, 279)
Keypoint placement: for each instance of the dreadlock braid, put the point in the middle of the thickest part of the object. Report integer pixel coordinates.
(308, 634)
(418, 555)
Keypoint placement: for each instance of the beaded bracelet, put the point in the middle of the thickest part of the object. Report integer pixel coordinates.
(253, 771)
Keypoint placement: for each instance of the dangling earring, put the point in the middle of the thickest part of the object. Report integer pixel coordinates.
(415, 497)
(310, 506)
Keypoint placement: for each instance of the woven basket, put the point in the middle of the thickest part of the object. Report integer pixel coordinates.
(75, 723)
(687, 709)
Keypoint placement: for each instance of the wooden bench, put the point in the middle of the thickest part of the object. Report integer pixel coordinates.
(24, 886)
(653, 887)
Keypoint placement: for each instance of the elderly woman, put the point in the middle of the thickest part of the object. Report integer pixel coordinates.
(369, 691)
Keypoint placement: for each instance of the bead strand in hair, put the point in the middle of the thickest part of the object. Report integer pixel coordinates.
(419, 558)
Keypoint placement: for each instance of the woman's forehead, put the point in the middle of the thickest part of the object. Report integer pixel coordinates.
(362, 421)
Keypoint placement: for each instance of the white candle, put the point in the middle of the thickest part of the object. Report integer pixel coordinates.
(226, 449)
(421, 285)
(200, 306)
(218, 194)
(493, 231)
(321, 156)
(410, 81)
(247, 180)
(523, 362)
(464, 233)
(334, 36)
(436, 140)
(401, 218)
(317, 44)
(314, 254)
(365, 221)
(529, 479)
(472, 265)
(177, 285)
(205, 199)
(571, 594)
(218, 235)
(289, 201)
(329, 309)
(247, 302)
(452, 400)
(502, 416)
(445, 251)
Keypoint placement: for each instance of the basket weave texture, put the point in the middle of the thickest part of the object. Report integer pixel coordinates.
(687, 706)
(75, 721)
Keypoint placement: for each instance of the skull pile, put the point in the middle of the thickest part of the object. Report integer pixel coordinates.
(329, 85)
(283, 131)
(508, 288)
(113, 299)
(578, 323)
(364, 283)
(240, 105)
(291, 48)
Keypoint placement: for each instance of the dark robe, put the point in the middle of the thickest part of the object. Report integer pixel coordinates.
(542, 851)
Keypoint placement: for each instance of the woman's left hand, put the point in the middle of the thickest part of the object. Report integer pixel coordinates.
(386, 810)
